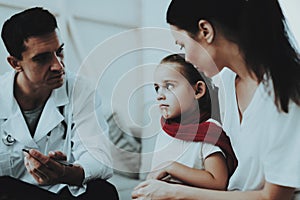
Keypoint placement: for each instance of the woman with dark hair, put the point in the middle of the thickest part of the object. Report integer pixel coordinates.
(247, 40)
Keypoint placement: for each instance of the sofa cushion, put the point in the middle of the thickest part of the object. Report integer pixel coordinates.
(126, 152)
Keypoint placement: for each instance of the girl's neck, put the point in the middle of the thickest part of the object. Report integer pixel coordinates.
(193, 117)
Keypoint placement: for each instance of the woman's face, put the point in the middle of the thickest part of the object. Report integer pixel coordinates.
(196, 52)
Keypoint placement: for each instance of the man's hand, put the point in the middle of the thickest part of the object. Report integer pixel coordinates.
(44, 169)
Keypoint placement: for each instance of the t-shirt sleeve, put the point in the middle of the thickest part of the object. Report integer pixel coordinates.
(209, 149)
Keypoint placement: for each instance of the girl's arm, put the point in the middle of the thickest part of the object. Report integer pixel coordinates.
(154, 189)
(214, 176)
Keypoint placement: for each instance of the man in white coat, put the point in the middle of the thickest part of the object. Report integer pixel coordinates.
(48, 117)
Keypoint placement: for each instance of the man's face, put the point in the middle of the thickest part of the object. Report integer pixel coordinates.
(42, 62)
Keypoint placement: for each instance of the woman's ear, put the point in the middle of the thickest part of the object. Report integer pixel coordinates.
(14, 62)
(200, 89)
(206, 31)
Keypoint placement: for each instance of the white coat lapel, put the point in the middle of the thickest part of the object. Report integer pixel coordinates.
(14, 123)
(16, 126)
(51, 117)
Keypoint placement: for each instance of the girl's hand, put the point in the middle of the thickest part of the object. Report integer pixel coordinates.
(153, 189)
(158, 174)
(162, 171)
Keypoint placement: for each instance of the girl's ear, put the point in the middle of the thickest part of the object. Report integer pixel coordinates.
(200, 89)
(14, 62)
(206, 31)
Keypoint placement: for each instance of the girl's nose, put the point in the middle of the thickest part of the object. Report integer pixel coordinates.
(160, 95)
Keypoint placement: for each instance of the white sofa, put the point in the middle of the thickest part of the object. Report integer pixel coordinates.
(130, 168)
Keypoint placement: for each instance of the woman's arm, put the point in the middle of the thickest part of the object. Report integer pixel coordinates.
(214, 176)
(154, 189)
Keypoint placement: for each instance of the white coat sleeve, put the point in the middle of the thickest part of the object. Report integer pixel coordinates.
(91, 143)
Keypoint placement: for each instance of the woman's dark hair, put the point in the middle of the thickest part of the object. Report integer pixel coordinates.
(31, 22)
(258, 28)
(209, 101)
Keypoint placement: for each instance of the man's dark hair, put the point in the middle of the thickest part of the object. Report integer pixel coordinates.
(28, 23)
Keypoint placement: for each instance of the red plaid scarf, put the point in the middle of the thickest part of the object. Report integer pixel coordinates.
(207, 132)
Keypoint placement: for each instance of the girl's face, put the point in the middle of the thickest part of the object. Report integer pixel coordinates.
(196, 52)
(175, 95)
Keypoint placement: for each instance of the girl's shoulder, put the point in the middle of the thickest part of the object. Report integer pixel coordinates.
(211, 120)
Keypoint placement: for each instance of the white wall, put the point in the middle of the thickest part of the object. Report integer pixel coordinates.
(291, 10)
(84, 25)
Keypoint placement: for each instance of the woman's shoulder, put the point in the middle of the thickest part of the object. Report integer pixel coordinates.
(225, 76)
(293, 114)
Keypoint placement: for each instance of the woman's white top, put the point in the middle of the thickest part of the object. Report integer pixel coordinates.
(266, 142)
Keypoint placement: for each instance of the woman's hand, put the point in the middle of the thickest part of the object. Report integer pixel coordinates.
(154, 189)
(159, 190)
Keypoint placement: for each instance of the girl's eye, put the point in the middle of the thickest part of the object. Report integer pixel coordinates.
(169, 86)
(156, 88)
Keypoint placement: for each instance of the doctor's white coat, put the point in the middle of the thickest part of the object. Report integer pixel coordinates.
(85, 142)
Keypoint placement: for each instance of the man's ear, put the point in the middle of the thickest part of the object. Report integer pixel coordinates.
(14, 63)
(206, 31)
(200, 89)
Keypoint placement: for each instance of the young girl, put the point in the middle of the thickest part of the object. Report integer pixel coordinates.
(192, 149)
(262, 94)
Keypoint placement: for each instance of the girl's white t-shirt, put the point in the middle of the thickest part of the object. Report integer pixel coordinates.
(266, 142)
(191, 154)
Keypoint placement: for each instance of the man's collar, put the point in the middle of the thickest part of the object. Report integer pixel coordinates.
(9, 104)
